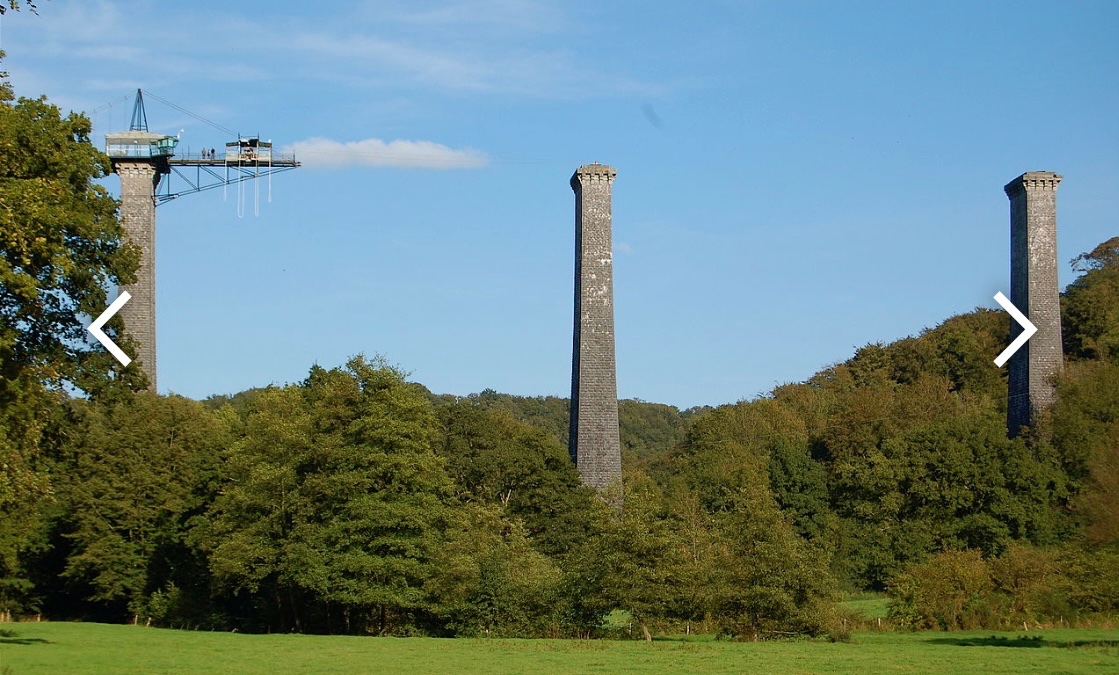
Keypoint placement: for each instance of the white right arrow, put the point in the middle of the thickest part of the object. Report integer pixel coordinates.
(95, 329)
(1028, 330)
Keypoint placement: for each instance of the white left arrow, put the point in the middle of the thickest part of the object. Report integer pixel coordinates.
(95, 329)
(1028, 329)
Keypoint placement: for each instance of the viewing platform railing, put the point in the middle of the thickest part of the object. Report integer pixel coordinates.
(244, 159)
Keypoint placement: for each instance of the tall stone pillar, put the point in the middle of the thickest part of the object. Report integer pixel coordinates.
(1034, 291)
(594, 442)
(138, 180)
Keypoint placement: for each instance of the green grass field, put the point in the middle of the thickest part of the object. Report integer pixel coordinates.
(870, 606)
(98, 648)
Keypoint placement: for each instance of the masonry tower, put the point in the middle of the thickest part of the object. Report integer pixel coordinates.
(140, 158)
(1034, 290)
(595, 446)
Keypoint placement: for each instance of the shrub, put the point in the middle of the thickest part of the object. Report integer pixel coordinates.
(961, 589)
(1093, 576)
(950, 590)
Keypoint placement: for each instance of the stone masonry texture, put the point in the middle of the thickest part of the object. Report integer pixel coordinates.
(138, 180)
(594, 441)
(1034, 290)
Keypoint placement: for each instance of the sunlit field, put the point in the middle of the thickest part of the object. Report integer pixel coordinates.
(98, 648)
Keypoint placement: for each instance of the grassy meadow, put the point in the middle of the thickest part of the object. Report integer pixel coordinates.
(47, 647)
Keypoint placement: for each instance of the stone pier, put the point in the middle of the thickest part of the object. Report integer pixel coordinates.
(594, 445)
(138, 180)
(1034, 290)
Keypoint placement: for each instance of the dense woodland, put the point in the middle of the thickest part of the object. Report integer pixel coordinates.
(358, 502)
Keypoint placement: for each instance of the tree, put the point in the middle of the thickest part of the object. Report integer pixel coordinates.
(14, 5)
(131, 472)
(490, 581)
(334, 501)
(769, 582)
(60, 244)
(1104, 256)
(1090, 307)
(495, 459)
(764, 580)
(800, 486)
(648, 428)
(1086, 431)
(641, 554)
(963, 590)
(1086, 416)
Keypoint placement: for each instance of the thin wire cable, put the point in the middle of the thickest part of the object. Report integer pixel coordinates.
(190, 114)
(110, 104)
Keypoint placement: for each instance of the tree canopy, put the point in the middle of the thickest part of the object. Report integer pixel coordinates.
(356, 501)
(60, 246)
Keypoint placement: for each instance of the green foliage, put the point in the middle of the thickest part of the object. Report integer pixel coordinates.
(769, 582)
(963, 346)
(358, 502)
(962, 590)
(59, 246)
(495, 459)
(29, 420)
(1093, 580)
(548, 413)
(960, 483)
(649, 428)
(882, 462)
(1090, 307)
(639, 554)
(1086, 433)
(800, 487)
(491, 582)
(1030, 584)
(949, 590)
(646, 429)
(762, 580)
(334, 499)
(131, 470)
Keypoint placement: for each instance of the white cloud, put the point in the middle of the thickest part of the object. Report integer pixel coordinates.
(328, 153)
(498, 67)
(428, 65)
(528, 48)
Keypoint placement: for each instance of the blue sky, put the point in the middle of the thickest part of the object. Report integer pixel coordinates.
(795, 179)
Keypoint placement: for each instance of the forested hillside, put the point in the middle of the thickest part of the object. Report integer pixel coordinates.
(356, 501)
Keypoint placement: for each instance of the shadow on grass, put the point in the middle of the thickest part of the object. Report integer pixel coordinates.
(10, 637)
(681, 637)
(1036, 641)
